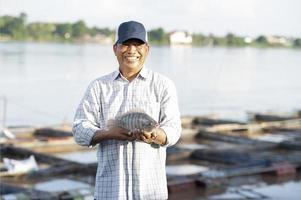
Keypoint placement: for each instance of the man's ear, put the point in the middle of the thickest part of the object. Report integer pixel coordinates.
(147, 48)
(115, 48)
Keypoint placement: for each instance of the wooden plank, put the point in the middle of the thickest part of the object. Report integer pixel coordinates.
(233, 139)
(15, 152)
(256, 127)
(211, 122)
(78, 169)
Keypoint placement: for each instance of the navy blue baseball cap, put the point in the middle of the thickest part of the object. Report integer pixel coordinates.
(131, 30)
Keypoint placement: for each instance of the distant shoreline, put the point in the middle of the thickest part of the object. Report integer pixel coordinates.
(15, 28)
(151, 43)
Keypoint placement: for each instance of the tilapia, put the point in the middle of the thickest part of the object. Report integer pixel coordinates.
(134, 120)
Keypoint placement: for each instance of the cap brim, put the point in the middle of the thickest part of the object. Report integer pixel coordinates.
(128, 38)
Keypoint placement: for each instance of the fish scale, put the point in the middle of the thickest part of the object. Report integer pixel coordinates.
(135, 120)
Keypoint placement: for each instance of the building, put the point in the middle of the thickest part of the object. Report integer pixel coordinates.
(278, 40)
(180, 37)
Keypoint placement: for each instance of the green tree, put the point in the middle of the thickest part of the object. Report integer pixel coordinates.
(199, 40)
(41, 31)
(14, 26)
(103, 31)
(216, 41)
(79, 29)
(63, 30)
(5, 25)
(261, 40)
(158, 36)
(297, 42)
(232, 40)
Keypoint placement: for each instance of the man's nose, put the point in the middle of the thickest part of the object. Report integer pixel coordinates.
(131, 47)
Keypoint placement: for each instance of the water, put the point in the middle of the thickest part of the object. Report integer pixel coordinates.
(43, 82)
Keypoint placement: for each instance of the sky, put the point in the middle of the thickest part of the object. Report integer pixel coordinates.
(219, 17)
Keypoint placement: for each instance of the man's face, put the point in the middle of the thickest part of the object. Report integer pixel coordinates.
(131, 54)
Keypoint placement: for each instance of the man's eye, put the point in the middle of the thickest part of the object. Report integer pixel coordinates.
(134, 44)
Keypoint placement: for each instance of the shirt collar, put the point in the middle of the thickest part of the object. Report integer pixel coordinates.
(144, 72)
(115, 75)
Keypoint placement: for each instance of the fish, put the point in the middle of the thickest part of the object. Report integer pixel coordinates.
(134, 120)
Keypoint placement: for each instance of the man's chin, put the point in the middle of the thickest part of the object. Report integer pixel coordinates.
(133, 66)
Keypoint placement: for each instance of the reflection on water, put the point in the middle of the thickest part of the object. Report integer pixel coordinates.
(44, 82)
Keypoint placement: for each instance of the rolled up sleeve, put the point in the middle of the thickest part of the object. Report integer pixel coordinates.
(86, 120)
(170, 120)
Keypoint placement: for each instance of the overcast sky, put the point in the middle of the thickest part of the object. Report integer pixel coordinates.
(241, 17)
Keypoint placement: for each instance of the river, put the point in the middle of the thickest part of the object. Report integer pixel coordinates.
(44, 82)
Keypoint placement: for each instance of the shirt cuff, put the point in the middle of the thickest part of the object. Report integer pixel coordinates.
(84, 136)
(171, 136)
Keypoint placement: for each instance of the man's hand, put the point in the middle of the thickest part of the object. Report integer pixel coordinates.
(118, 133)
(147, 136)
(156, 135)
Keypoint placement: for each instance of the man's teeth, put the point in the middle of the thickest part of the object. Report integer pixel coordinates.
(132, 57)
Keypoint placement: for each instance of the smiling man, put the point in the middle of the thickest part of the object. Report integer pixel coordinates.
(131, 163)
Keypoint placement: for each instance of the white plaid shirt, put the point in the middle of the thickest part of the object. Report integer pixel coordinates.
(129, 170)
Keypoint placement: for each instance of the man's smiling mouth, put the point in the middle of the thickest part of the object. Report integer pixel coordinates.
(132, 58)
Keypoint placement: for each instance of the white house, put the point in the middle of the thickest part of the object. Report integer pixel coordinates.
(180, 37)
(278, 40)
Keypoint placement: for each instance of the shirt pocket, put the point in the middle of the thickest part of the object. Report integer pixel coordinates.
(152, 108)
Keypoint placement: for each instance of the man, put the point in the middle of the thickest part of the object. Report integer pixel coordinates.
(129, 165)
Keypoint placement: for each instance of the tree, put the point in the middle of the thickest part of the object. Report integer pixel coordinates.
(232, 40)
(63, 30)
(23, 18)
(297, 42)
(157, 36)
(79, 29)
(200, 39)
(41, 31)
(103, 31)
(14, 26)
(261, 40)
